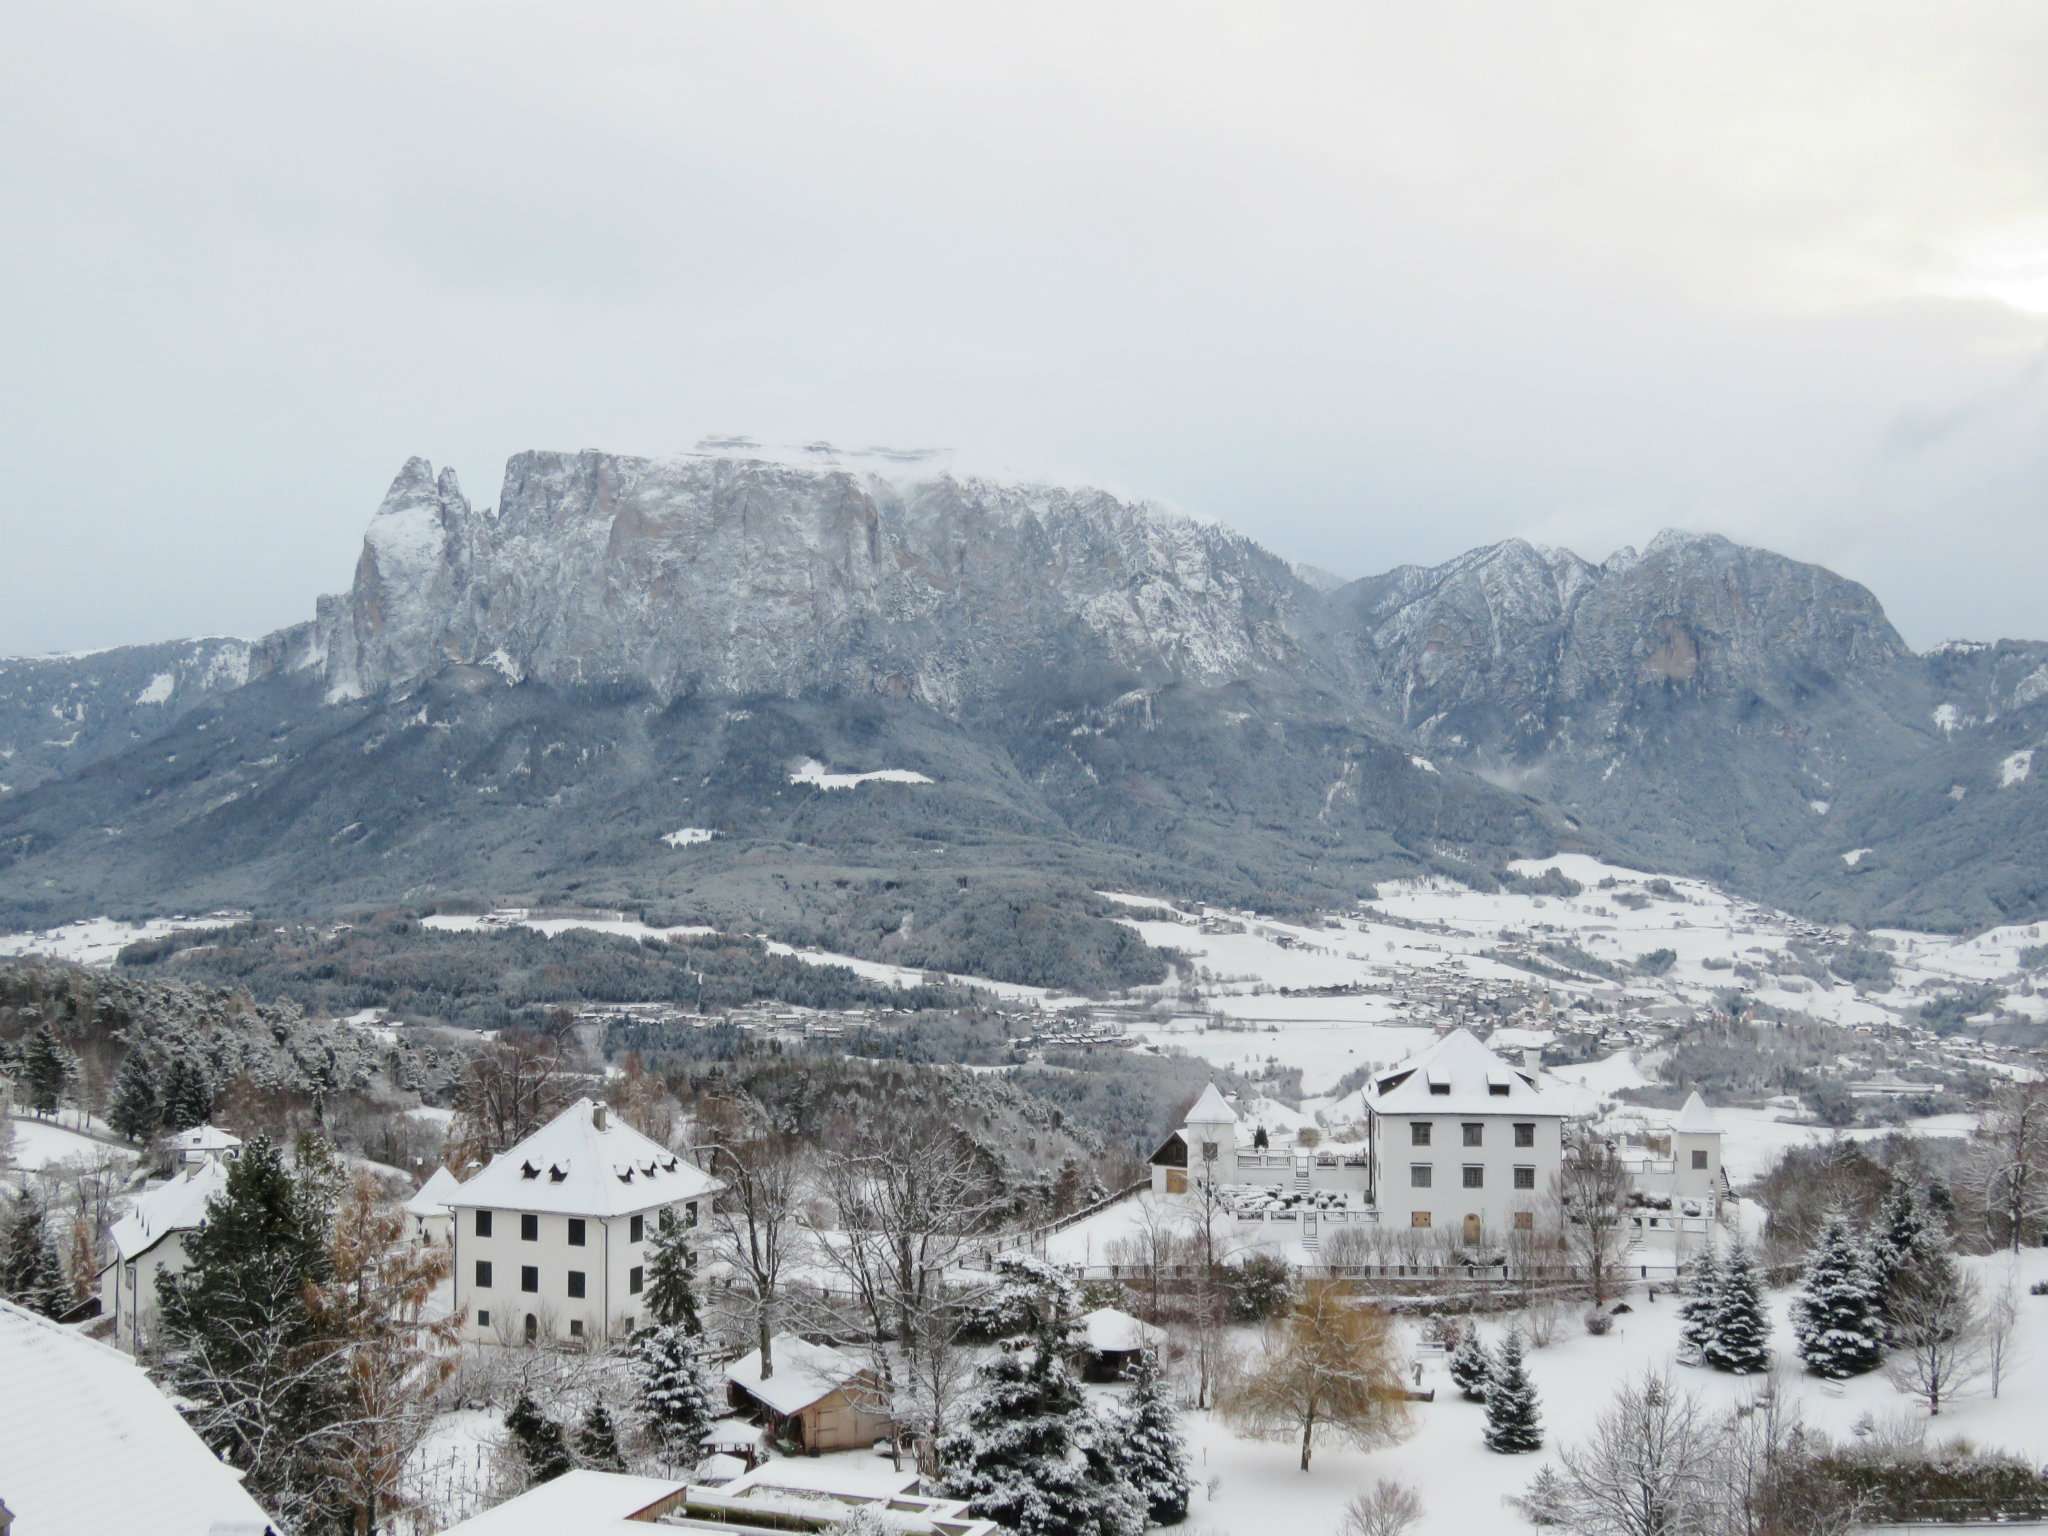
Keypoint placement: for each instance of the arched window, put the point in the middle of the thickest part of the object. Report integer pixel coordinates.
(532, 1328)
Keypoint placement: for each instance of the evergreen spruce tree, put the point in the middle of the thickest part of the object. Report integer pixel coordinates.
(597, 1443)
(1147, 1445)
(45, 1067)
(1837, 1317)
(242, 1342)
(1697, 1313)
(1513, 1424)
(1471, 1366)
(540, 1440)
(31, 1274)
(1032, 1458)
(187, 1095)
(135, 1114)
(670, 1296)
(669, 1396)
(1903, 1234)
(1741, 1332)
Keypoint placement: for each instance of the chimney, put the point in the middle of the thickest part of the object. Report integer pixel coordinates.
(597, 1114)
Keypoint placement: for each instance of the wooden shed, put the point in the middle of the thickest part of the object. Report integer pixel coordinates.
(822, 1398)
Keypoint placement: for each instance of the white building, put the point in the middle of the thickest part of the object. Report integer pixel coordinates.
(151, 1238)
(90, 1447)
(200, 1142)
(551, 1239)
(432, 1222)
(1462, 1141)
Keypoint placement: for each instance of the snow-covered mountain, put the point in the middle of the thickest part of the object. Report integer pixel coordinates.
(504, 695)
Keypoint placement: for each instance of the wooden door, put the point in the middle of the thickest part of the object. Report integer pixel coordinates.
(1472, 1230)
(1176, 1181)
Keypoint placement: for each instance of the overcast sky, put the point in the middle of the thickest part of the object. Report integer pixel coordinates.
(1372, 283)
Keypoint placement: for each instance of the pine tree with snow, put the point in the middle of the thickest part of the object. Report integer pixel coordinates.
(45, 1068)
(597, 1442)
(31, 1274)
(670, 1296)
(1903, 1234)
(1513, 1424)
(187, 1095)
(1146, 1442)
(1548, 1501)
(542, 1446)
(1741, 1338)
(1701, 1306)
(669, 1396)
(135, 1114)
(1032, 1457)
(1837, 1316)
(1471, 1365)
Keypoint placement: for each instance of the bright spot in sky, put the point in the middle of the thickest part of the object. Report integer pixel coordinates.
(2010, 268)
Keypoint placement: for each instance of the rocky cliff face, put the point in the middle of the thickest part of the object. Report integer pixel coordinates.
(1090, 686)
(719, 575)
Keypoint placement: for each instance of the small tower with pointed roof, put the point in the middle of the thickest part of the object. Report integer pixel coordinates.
(1696, 1153)
(1211, 1133)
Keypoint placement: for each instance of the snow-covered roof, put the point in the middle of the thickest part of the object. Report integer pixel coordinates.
(176, 1206)
(92, 1445)
(1459, 1076)
(584, 1162)
(582, 1501)
(1211, 1109)
(431, 1199)
(205, 1138)
(1696, 1119)
(1110, 1332)
(804, 1372)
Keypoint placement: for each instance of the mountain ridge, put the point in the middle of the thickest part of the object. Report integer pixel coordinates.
(1697, 704)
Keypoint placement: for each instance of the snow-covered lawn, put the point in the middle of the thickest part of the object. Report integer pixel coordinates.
(1463, 1485)
(1323, 1051)
(98, 940)
(39, 1144)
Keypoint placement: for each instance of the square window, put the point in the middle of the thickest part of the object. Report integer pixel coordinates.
(1475, 1133)
(1418, 1218)
(629, 1322)
(1209, 1152)
(1699, 1159)
(575, 1327)
(1418, 1133)
(483, 1273)
(483, 1223)
(575, 1231)
(1525, 1133)
(1525, 1178)
(576, 1285)
(529, 1229)
(529, 1278)
(1475, 1176)
(1525, 1221)
(483, 1317)
(1420, 1175)
(633, 1279)
(637, 1229)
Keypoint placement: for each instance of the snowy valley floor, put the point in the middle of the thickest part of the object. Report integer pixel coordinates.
(1258, 1490)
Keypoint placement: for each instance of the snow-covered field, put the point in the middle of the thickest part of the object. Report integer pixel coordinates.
(98, 940)
(1463, 1485)
(811, 771)
(41, 1144)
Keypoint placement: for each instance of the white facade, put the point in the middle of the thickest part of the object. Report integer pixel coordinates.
(552, 1240)
(149, 1239)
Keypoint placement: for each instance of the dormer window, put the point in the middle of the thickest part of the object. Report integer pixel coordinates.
(557, 1173)
(671, 1165)
(625, 1173)
(528, 1171)
(1498, 1090)
(1441, 1090)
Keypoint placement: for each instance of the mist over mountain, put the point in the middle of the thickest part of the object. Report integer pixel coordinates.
(528, 702)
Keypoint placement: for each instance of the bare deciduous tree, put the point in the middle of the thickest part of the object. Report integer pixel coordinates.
(1329, 1364)
(2009, 1163)
(1649, 1468)
(2001, 1321)
(756, 1222)
(1941, 1343)
(512, 1088)
(1390, 1509)
(1588, 1196)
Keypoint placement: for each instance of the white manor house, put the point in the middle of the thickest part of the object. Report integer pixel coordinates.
(1455, 1140)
